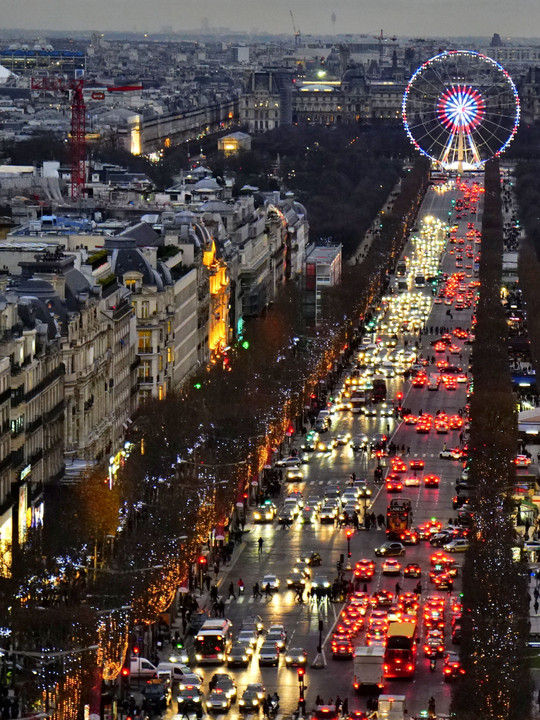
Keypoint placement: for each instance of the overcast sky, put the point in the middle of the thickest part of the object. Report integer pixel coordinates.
(512, 18)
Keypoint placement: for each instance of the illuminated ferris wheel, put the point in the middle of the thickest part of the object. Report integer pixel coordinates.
(460, 109)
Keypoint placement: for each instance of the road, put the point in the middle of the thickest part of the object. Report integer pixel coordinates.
(282, 546)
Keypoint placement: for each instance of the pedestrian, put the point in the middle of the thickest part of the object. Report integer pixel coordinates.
(398, 589)
(538, 699)
(265, 707)
(319, 701)
(536, 607)
(431, 707)
(338, 704)
(207, 581)
(261, 543)
(214, 593)
(243, 523)
(216, 569)
(380, 521)
(268, 591)
(536, 593)
(231, 590)
(221, 608)
(256, 591)
(345, 708)
(367, 521)
(240, 586)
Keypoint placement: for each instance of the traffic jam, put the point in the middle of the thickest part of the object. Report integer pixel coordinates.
(346, 599)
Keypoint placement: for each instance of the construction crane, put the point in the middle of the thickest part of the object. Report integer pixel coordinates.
(77, 145)
(296, 32)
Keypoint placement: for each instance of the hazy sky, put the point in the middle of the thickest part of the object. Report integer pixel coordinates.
(517, 18)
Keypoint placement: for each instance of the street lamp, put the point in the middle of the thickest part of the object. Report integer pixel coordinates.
(349, 533)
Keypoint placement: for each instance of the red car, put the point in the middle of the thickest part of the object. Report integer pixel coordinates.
(416, 464)
(342, 646)
(394, 486)
(452, 668)
(432, 481)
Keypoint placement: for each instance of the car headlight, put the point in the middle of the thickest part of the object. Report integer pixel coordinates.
(241, 702)
(198, 657)
(288, 659)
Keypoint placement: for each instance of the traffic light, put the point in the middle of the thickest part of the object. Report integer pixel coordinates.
(301, 672)
(135, 650)
(197, 386)
(349, 533)
(125, 672)
(202, 560)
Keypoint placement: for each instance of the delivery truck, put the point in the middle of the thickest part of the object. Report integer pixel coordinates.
(368, 668)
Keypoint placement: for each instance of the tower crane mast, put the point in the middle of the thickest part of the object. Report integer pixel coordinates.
(296, 31)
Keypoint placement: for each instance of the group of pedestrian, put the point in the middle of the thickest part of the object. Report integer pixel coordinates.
(342, 706)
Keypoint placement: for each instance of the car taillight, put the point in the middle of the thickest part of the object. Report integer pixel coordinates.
(410, 668)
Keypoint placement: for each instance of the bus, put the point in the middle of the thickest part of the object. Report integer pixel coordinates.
(378, 394)
(401, 268)
(400, 652)
(357, 400)
(398, 518)
(213, 641)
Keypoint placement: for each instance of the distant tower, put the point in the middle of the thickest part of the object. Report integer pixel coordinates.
(333, 18)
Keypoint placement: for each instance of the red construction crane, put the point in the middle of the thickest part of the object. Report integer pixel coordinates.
(78, 122)
(78, 125)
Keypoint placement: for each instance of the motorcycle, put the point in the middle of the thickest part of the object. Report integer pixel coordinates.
(273, 706)
(433, 664)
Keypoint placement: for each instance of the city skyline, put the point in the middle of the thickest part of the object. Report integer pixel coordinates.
(423, 17)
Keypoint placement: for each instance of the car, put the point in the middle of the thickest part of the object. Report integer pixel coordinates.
(294, 475)
(277, 634)
(328, 513)
(265, 513)
(157, 693)
(433, 647)
(412, 570)
(416, 464)
(342, 646)
(252, 698)
(253, 622)
(218, 701)
(412, 481)
(390, 549)
(270, 580)
(291, 461)
(325, 445)
(448, 454)
(431, 481)
(189, 699)
(248, 636)
(296, 580)
(382, 598)
(342, 439)
(393, 486)
(269, 653)
(391, 567)
(459, 545)
(409, 537)
(239, 655)
(320, 581)
(296, 657)
(452, 668)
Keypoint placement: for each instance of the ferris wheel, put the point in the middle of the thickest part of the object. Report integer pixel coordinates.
(460, 109)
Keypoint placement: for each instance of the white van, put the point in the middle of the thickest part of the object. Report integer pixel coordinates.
(433, 382)
(178, 673)
(141, 667)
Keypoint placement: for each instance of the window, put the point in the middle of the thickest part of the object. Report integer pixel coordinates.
(169, 355)
(160, 392)
(145, 341)
(144, 309)
(144, 371)
(130, 284)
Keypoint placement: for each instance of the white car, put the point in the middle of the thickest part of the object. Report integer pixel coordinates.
(292, 461)
(447, 453)
(412, 481)
(271, 580)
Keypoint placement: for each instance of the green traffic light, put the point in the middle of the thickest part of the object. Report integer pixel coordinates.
(245, 344)
(197, 386)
